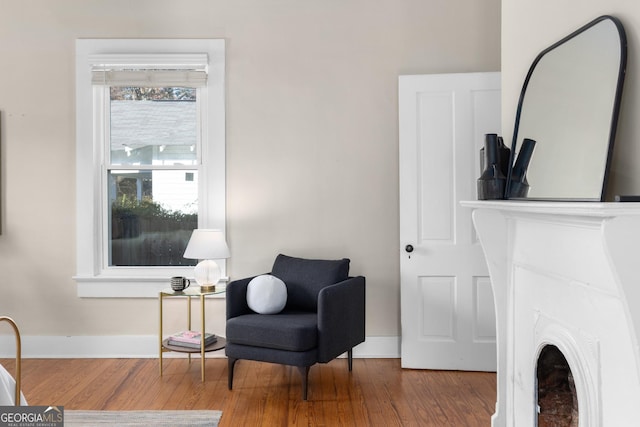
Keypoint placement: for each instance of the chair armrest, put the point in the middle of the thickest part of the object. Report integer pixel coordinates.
(236, 295)
(341, 318)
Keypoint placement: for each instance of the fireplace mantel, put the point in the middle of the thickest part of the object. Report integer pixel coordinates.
(565, 274)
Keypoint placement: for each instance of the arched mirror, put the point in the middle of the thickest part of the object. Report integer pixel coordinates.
(569, 106)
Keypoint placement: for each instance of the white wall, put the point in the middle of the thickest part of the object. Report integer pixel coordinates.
(530, 27)
(312, 138)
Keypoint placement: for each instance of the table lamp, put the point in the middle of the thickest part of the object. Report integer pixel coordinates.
(207, 245)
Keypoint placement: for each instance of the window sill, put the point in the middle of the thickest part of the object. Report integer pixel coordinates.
(127, 287)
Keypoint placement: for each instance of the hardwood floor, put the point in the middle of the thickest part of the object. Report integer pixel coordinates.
(377, 393)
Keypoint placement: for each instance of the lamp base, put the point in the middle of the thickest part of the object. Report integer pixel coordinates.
(207, 288)
(207, 275)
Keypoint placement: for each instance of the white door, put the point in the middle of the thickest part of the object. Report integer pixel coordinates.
(447, 309)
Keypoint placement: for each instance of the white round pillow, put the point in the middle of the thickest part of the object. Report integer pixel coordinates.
(266, 294)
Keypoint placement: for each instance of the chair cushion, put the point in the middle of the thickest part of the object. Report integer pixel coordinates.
(266, 294)
(306, 277)
(292, 331)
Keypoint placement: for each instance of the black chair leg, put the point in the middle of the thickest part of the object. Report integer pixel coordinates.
(304, 372)
(232, 364)
(350, 358)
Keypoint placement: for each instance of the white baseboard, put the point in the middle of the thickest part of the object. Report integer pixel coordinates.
(145, 346)
(378, 348)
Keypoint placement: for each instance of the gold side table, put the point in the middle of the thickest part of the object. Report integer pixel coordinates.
(163, 343)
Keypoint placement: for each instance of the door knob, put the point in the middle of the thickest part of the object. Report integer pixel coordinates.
(408, 248)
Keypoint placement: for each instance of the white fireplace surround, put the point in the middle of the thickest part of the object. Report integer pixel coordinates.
(565, 274)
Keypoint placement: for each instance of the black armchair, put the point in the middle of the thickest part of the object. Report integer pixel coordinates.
(324, 317)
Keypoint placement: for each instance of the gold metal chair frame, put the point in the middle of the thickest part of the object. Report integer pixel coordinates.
(18, 355)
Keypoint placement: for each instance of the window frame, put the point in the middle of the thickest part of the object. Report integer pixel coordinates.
(93, 277)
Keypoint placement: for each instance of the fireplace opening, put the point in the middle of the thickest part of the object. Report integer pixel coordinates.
(556, 394)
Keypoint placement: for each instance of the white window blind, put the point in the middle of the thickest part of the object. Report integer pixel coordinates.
(177, 70)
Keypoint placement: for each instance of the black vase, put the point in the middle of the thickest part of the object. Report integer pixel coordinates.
(519, 186)
(504, 157)
(492, 181)
(504, 154)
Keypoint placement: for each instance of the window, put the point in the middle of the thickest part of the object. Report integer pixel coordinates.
(150, 160)
(153, 147)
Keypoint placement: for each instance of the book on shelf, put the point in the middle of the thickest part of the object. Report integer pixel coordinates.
(191, 339)
(189, 345)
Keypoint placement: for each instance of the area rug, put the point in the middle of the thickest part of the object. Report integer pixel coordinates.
(141, 418)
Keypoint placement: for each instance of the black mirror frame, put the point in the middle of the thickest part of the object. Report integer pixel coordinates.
(616, 106)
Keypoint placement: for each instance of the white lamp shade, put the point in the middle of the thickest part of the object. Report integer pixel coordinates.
(207, 244)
